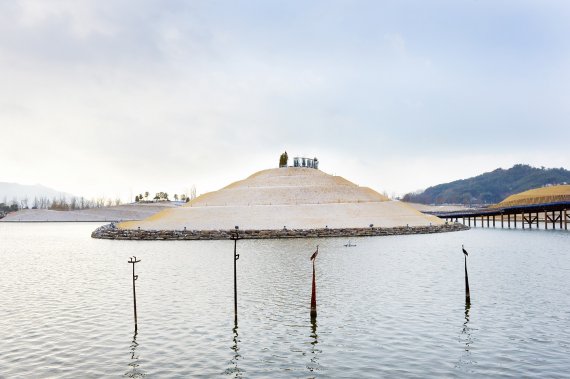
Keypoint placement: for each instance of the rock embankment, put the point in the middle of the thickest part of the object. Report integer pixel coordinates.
(110, 231)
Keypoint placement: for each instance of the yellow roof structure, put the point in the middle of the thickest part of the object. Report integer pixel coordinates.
(291, 197)
(550, 194)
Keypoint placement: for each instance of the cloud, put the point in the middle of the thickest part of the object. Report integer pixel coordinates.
(159, 92)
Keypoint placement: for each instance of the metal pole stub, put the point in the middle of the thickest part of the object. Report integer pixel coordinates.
(134, 260)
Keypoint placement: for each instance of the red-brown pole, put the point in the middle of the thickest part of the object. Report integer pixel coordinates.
(314, 295)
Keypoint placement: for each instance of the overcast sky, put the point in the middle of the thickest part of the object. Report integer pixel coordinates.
(105, 98)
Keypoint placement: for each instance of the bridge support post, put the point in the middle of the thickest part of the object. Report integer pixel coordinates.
(529, 220)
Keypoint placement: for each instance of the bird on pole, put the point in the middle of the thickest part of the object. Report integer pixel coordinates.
(467, 293)
(315, 253)
(314, 287)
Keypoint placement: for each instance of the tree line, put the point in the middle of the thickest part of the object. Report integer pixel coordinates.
(77, 203)
(491, 187)
(163, 196)
(58, 204)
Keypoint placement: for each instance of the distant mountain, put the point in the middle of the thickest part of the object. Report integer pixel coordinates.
(490, 187)
(15, 191)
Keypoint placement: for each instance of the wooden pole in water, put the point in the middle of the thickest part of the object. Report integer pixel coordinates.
(235, 237)
(134, 260)
(314, 287)
(467, 294)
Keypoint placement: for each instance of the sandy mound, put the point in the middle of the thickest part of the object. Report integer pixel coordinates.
(295, 198)
(116, 213)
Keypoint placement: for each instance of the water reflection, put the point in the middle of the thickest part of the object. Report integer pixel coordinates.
(234, 370)
(134, 370)
(466, 340)
(313, 364)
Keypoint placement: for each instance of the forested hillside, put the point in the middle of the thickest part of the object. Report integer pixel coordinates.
(490, 187)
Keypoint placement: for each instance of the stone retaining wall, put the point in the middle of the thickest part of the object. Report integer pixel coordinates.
(112, 232)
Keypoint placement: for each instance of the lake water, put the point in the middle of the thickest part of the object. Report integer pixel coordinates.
(388, 307)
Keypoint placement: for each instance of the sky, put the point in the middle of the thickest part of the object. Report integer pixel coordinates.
(114, 98)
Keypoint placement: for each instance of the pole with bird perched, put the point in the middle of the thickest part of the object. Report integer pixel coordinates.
(314, 289)
(467, 295)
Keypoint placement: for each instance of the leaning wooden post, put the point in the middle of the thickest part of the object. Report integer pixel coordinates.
(235, 237)
(467, 294)
(134, 260)
(314, 287)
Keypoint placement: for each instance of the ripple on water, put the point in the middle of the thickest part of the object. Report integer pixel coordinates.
(390, 307)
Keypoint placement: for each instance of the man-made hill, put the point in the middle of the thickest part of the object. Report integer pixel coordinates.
(124, 212)
(542, 195)
(293, 197)
(491, 187)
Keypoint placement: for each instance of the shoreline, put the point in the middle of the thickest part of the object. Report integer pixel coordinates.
(110, 231)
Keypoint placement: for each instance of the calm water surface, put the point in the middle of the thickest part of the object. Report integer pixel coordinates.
(389, 307)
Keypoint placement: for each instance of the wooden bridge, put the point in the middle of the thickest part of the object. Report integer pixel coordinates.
(555, 215)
